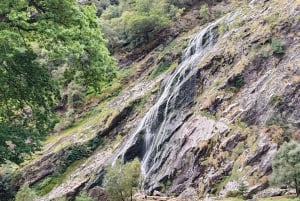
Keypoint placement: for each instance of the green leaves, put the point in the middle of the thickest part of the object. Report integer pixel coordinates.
(34, 36)
(120, 180)
(286, 165)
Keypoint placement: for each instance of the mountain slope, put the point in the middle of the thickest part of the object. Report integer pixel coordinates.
(211, 121)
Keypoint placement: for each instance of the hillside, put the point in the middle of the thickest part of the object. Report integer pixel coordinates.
(204, 106)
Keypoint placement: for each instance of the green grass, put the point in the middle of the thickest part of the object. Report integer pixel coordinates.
(161, 67)
(45, 185)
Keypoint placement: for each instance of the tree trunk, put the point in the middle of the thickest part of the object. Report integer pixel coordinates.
(297, 187)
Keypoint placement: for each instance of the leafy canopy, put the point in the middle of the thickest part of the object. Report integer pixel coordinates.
(36, 38)
(286, 165)
(120, 180)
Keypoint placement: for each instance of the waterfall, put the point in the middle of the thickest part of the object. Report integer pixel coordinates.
(169, 112)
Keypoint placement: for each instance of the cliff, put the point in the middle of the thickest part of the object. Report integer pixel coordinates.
(229, 98)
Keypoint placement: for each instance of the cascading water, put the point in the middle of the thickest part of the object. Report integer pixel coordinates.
(149, 140)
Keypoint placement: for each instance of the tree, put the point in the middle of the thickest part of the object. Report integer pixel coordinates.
(120, 180)
(242, 188)
(286, 166)
(36, 38)
(25, 194)
(83, 197)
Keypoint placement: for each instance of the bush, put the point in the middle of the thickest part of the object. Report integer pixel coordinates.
(286, 164)
(25, 194)
(72, 154)
(242, 188)
(277, 45)
(142, 28)
(275, 100)
(120, 180)
(161, 67)
(233, 194)
(83, 197)
(204, 11)
(7, 188)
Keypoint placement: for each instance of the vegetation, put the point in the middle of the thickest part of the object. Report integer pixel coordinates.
(233, 194)
(275, 100)
(120, 180)
(25, 194)
(204, 12)
(7, 187)
(161, 67)
(277, 45)
(242, 188)
(138, 22)
(83, 197)
(38, 38)
(286, 164)
(236, 83)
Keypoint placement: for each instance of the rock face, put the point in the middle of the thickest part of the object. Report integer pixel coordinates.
(217, 119)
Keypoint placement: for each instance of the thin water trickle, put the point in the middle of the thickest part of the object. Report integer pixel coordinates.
(160, 122)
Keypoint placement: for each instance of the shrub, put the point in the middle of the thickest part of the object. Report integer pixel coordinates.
(25, 193)
(286, 164)
(277, 45)
(233, 194)
(236, 83)
(72, 154)
(7, 189)
(275, 100)
(204, 11)
(142, 28)
(120, 180)
(242, 188)
(161, 67)
(83, 197)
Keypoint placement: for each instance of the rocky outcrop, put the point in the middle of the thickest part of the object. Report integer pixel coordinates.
(215, 121)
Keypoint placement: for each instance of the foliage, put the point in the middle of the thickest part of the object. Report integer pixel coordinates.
(277, 45)
(73, 154)
(242, 188)
(161, 67)
(120, 180)
(25, 194)
(83, 197)
(275, 100)
(7, 185)
(137, 22)
(286, 164)
(146, 22)
(236, 83)
(36, 38)
(233, 194)
(204, 11)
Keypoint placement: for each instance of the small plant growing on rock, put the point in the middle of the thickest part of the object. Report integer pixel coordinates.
(233, 194)
(277, 45)
(242, 188)
(275, 100)
(204, 11)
